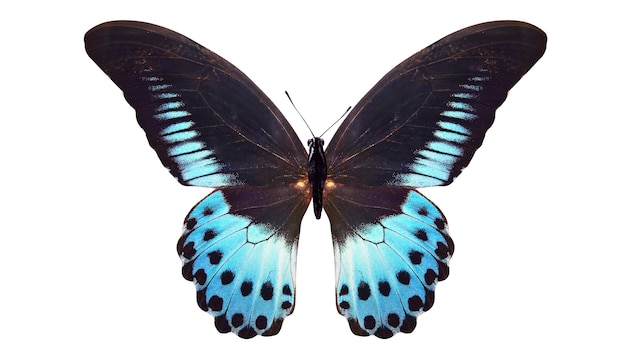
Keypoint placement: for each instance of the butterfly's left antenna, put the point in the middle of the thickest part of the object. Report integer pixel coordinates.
(307, 125)
(339, 119)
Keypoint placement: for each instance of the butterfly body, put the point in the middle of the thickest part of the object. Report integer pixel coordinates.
(419, 126)
(318, 171)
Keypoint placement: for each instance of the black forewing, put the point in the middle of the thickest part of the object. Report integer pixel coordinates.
(422, 122)
(209, 124)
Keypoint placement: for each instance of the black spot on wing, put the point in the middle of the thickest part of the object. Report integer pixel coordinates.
(247, 332)
(369, 322)
(415, 303)
(416, 257)
(261, 322)
(384, 288)
(201, 299)
(215, 303)
(227, 277)
(200, 277)
(343, 291)
(221, 324)
(267, 290)
(430, 300)
(237, 320)
(188, 251)
(246, 288)
(187, 271)
(383, 332)
(191, 223)
(442, 250)
(403, 277)
(215, 257)
(287, 290)
(430, 276)
(421, 235)
(393, 320)
(440, 223)
(364, 291)
(409, 324)
(209, 234)
(444, 271)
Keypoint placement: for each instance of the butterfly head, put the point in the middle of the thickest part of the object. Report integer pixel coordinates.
(314, 143)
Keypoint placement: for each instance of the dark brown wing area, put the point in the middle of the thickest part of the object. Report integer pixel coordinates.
(421, 124)
(209, 124)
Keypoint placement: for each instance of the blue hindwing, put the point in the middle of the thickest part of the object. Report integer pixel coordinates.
(244, 271)
(387, 270)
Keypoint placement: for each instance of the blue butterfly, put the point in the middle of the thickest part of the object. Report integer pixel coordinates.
(419, 126)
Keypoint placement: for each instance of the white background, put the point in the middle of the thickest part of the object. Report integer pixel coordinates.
(90, 218)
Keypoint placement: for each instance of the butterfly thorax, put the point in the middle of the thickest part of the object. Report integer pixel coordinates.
(317, 172)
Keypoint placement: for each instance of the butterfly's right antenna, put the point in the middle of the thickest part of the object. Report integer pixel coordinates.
(307, 125)
(302, 117)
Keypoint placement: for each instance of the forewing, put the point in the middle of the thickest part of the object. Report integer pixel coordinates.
(422, 122)
(209, 124)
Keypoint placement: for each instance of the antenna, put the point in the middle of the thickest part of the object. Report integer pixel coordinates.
(307, 125)
(302, 117)
(339, 119)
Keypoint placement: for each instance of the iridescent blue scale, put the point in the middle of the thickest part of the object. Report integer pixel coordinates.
(419, 126)
(388, 271)
(214, 247)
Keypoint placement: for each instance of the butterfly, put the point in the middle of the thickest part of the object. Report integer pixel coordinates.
(419, 126)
